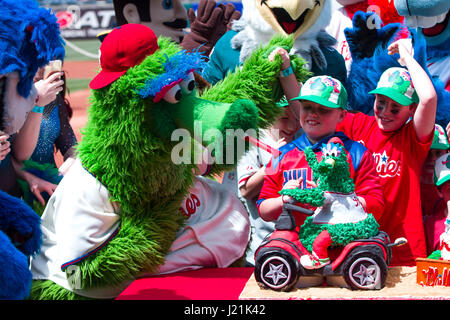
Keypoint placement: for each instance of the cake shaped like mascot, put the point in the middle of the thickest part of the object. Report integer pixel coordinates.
(339, 218)
(29, 40)
(305, 20)
(126, 208)
(368, 47)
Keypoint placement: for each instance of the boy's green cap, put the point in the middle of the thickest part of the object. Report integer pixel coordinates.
(442, 169)
(440, 140)
(325, 91)
(282, 102)
(396, 84)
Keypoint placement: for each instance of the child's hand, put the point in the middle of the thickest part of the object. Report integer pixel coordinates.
(5, 146)
(404, 48)
(294, 184)
(284, 57)
(280, 143)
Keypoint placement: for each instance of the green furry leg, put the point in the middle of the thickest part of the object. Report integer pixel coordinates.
(48, 290)
(341, 234)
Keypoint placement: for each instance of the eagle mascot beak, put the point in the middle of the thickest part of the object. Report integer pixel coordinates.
(290, 16)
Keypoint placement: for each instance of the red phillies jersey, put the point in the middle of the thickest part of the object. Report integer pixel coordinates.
(292, 165)
(399, 158)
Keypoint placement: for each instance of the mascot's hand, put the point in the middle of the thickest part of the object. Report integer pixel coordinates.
(20, 223)
(367, 34)
(229, 15)
(209, 25)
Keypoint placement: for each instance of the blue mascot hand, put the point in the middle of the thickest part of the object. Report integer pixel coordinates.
(367, 34)
(15, 277)
(20, 223)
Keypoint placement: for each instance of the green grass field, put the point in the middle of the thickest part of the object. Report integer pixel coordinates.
(74, 85)
(91, 46)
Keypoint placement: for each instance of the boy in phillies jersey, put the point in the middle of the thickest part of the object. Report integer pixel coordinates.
(323, 103)
(399, 147)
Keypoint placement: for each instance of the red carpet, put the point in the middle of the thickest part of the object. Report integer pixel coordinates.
(203, 284)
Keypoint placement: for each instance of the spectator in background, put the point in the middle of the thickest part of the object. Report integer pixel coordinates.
(45, 131)
(435, 223)
(428, 191)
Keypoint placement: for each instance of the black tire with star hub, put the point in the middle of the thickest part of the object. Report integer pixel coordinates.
(365, 269)
(276, 269)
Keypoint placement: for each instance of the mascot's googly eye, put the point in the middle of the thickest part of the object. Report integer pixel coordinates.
(188, 84)
(174, 94)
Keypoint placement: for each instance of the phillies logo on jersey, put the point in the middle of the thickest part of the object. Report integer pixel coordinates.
(191, 203)
(386, 168)
(295, 174)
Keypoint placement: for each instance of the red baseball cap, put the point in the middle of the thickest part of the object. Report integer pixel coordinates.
(124, 47)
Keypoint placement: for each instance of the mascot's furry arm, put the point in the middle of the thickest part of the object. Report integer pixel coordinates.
(257, 81)
(20, 237)
(370, 61)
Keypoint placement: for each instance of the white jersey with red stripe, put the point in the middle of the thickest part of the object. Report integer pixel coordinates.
(80, 219)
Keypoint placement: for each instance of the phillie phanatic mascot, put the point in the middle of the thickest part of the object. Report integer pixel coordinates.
(29, 40)
(135, 203)
(305, 20)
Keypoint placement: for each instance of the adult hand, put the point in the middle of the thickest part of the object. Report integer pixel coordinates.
(5, 146)
(38, 185)
(48, 88)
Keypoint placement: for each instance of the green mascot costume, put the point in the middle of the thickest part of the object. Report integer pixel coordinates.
(129, 206)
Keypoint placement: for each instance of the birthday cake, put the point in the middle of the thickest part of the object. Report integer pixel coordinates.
(340, 241)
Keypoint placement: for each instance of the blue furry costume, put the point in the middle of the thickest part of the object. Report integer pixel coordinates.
(29, 39)
(370, 61)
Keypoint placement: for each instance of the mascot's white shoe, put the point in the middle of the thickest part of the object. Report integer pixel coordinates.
(311, 261)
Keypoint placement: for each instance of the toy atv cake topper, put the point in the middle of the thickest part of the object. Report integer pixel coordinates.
(339, 238)
(339, 211)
